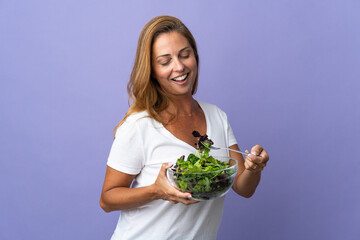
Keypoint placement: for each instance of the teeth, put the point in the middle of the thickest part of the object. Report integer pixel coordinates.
(180, 78)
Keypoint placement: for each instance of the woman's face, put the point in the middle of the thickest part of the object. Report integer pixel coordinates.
(174, 64)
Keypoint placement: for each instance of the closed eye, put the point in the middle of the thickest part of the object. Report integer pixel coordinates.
(164, 60)
(165, 63)
(185, 56)
(185, 53)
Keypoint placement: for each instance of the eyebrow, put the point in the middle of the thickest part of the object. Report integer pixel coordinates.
(167, 55)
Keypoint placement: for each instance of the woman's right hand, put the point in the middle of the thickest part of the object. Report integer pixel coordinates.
(165, 191)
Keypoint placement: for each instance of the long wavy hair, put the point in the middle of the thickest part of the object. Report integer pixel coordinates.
(144, 91)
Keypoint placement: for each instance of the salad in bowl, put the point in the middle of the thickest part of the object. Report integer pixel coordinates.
(206, 177)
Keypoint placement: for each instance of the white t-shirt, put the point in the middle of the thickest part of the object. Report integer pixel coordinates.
(140, 147)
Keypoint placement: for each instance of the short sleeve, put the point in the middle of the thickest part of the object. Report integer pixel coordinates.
(126, 154)
(231, 136)
(229, 132)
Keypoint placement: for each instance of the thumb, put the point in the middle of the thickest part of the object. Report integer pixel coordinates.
(165, 166)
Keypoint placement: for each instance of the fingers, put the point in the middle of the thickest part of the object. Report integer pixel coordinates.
(168, 192)
(164, 167)
(256, 150)
(171, 191)
(175, 196)
(178, 194)
(265, 155)
(249, 164)
(258, 155)
(183, 201)
(256, 161)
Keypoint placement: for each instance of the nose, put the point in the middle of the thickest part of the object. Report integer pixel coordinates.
(178, 65)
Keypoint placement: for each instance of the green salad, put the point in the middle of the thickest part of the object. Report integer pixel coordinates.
(201, 174)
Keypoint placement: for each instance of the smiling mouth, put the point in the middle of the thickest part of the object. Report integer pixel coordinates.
(181, 78)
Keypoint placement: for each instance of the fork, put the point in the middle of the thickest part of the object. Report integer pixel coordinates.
(218, 148)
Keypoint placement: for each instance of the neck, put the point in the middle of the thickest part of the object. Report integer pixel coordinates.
(186, 106)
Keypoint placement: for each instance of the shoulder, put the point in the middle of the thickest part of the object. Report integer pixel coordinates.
(133, 123)
(135, 117)
(211, 108)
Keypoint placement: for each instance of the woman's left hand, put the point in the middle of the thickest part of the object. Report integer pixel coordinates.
(257, 160)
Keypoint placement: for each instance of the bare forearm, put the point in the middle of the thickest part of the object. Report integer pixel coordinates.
(123, 198)
(246, 183)
(117, 194)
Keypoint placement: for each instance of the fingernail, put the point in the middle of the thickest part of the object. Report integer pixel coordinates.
(254, 153)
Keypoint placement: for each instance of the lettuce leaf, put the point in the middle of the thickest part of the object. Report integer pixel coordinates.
(212, 181)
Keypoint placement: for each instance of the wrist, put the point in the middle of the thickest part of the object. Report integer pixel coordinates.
(254, 173)
(153, 192)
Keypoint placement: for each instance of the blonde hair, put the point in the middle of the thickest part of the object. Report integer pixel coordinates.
(144, 91)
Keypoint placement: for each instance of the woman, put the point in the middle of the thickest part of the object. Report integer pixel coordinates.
(156, 130)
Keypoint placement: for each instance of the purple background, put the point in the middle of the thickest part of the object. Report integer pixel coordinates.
(286, 72)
